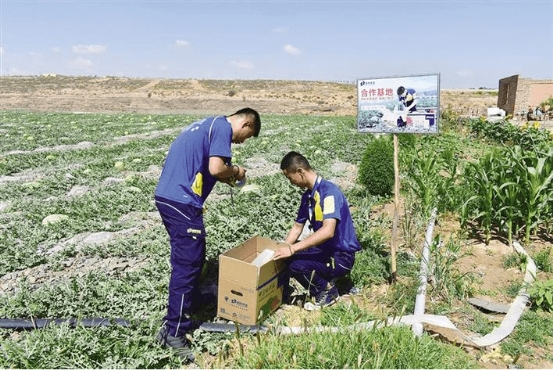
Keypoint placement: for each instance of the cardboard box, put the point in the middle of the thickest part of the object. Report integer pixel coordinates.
(249, 293)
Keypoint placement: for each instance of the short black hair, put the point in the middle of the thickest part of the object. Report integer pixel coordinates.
(294, 160)
(251, 113)
(400, 90)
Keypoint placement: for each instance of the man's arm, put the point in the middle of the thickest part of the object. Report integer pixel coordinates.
(219, 169)
(320, 236)
(294, 233)
(326, 232)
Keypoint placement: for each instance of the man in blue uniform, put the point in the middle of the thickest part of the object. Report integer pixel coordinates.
(407, 97)
(329, 252)
(198, 158)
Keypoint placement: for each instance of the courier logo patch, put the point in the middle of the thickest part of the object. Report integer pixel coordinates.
(317, 208)
(329, 205)
(198, 184)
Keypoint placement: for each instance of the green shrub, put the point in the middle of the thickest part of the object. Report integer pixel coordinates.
(532, 334)
(541, 294)
(529, 135)
(544, 260)
(376, 171)
(370, 268)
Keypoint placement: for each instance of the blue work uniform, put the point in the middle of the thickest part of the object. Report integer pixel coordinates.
(316, 266)
(184, 185)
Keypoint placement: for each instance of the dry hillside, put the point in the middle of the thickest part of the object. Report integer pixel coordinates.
(116, 94)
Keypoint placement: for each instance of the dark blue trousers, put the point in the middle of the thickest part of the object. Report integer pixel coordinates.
(314, 268)
(185, 226)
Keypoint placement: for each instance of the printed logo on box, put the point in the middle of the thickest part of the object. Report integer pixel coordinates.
(236, 303)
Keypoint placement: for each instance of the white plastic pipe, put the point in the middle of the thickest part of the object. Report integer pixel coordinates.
(420, 300)
(441, 324)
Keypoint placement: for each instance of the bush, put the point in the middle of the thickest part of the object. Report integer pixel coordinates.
(376, 170)
(544, 260)
(541, 294)
(528, 135)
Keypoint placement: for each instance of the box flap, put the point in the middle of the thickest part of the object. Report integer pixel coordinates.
(237, 270)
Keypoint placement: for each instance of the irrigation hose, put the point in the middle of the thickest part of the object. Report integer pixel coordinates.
(229, 328)
(420, 300)
(30, 324)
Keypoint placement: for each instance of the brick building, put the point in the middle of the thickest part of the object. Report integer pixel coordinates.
(516, 94)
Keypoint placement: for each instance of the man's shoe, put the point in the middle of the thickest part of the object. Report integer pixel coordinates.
(345, 285)
(325, 298)
(180, 345)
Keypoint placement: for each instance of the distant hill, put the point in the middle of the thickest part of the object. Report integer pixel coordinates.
(49, 93)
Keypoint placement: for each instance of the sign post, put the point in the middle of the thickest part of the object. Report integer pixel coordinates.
(393, 245)
(394, 105)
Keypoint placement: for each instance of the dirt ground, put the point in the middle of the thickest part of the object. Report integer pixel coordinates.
(493, 280)
(155, 96)
(115, 94)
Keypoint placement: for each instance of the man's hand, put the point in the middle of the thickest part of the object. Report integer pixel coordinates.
(283, 252)
(240, 173)
(224, 172)
(231, 181)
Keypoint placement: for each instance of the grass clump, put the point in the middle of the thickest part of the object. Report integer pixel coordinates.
(533, 328)
(388, 348)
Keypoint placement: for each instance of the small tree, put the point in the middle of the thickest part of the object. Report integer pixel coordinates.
(376, 171)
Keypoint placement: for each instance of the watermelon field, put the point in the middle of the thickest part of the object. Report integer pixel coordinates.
(80, 238)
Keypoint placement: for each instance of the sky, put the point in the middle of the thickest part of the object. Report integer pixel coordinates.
(470, 44)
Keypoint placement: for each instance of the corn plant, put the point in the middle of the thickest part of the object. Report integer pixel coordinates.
(432, 173)
(535, 179)
(424, 181)
(507, 194)
(512, 188)
(479, 176)
(449, 195)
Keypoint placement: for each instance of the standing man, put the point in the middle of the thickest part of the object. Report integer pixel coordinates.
(329, 252)
(198, 158)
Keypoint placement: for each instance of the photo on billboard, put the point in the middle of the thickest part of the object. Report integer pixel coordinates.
(401, 104)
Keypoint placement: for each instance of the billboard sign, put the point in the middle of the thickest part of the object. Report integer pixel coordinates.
(407, 104)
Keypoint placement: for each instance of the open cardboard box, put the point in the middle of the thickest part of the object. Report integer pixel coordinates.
(248, 293)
